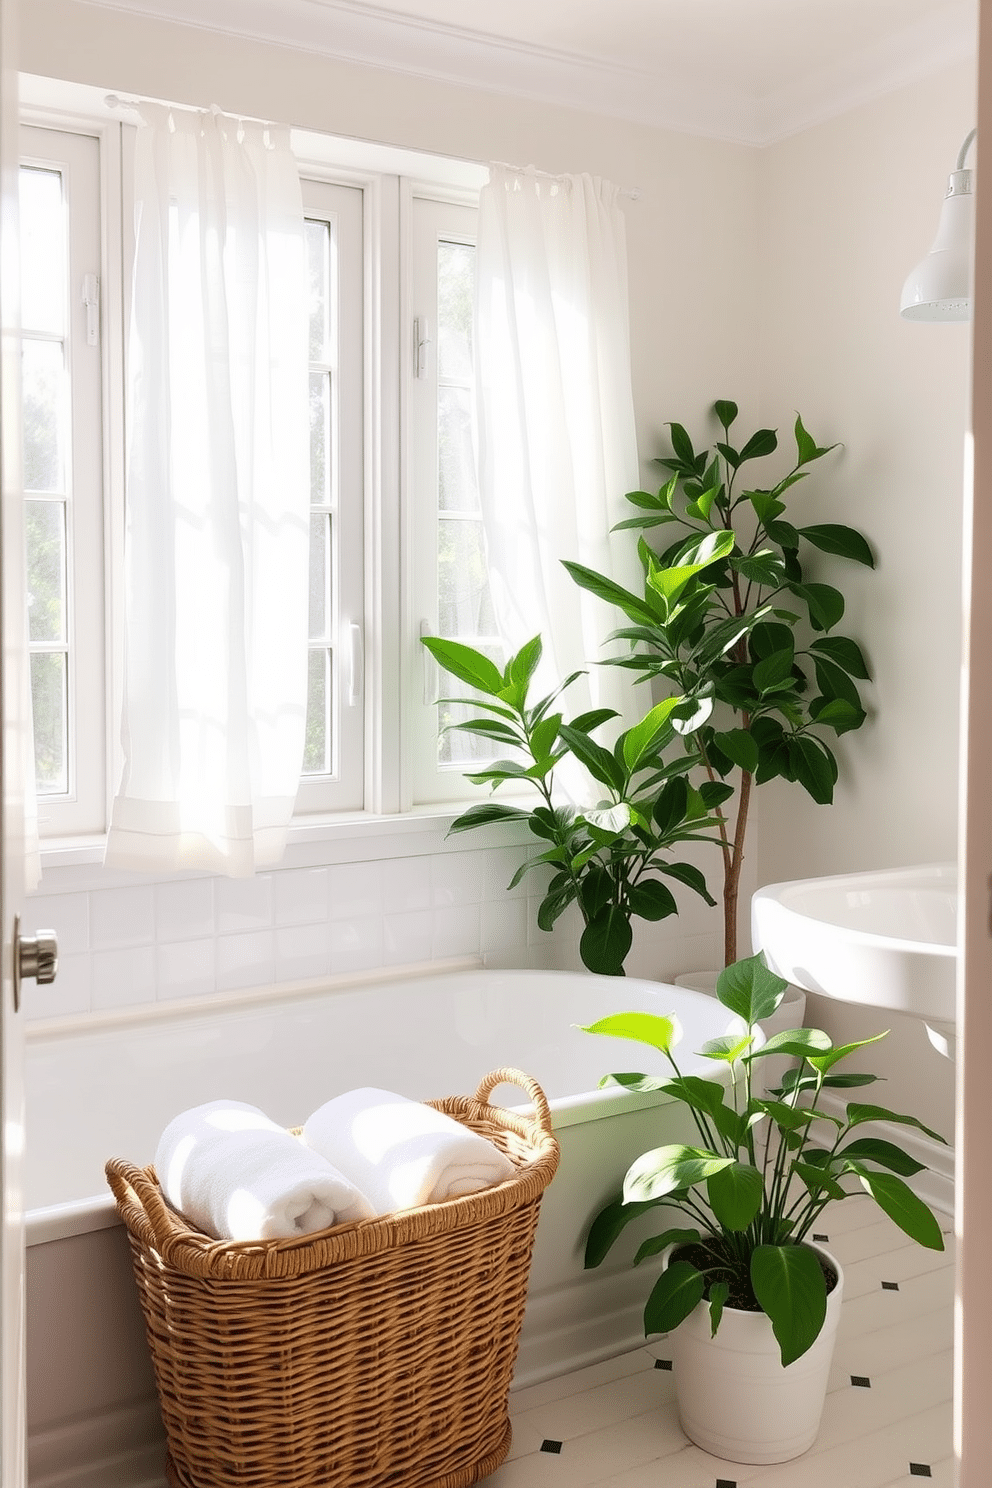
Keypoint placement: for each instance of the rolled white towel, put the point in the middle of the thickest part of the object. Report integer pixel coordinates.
(401, 1153)
(238, 1176)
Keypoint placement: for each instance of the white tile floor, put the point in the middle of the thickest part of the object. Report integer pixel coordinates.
(615, 1424)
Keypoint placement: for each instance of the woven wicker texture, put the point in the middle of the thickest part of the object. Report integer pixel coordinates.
(378, 1354)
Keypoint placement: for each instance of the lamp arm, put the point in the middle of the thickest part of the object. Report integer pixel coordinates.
(962, 153)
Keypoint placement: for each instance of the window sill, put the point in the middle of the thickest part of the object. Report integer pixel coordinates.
(357, 837)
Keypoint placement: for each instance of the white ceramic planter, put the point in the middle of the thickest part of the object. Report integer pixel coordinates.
(735, 1400)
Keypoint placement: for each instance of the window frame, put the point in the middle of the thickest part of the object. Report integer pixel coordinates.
(390, 180)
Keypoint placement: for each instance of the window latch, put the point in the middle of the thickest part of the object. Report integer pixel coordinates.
(421, 341)
(91, 303)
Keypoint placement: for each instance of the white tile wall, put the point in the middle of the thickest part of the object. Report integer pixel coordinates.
(127, 941)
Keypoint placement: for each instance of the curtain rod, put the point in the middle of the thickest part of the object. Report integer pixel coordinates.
(114, 101)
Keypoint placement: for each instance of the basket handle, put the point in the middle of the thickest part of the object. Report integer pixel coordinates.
(129, 1185)
(514, 1077)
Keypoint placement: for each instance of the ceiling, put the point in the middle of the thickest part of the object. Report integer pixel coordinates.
(752, 70)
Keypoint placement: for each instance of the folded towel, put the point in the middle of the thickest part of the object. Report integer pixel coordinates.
(401, 1153)
(238, 1176)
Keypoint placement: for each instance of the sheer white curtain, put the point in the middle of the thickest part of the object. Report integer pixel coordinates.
(216, 540)
(557, 447)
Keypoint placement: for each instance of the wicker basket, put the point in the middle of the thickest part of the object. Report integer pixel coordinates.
(377, 1354)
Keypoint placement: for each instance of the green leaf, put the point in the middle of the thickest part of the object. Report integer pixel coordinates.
(857, 1114)
(638, 741)
(523, 666)
(791, 1289)
(814, 767)
(554, 903)
(787, 537)
(606, 941)
(613, 594)
(719, 1292)
(904, 1208)
(690, 875)
(774, 670)
(586, 722)
(825, 604)
(726, 412)
(644, 1028)
(750, 990)
(764, 568)
(657, 1243)
(887, 1154)
(794, 1041)
(677, 1292)
(765, 505)
(831, 537)
(807, 447)
(764, 442)
(600, 763)
(817, 1180)
(682, 444)
(825, 1062)
(845, 653)
(663, 1170)
(650, 900)
(465, 663)
(670, 807)
(488, 728)
(735, 1195)
(608, 1225)
(484, 814)
(739, 747)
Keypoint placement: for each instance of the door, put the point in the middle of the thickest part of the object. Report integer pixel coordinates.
(13, 696)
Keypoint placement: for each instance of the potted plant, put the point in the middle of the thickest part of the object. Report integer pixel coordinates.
(609, 859)
(751, 1304)
(723, 618)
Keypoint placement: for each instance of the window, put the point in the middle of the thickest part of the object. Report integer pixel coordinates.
(395, 528)
(450, 577)
(63, 466)
(333, 762)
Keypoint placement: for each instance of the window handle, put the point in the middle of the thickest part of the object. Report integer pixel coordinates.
(356, 665)
(421, 341)
(431, 675)
(91, 304)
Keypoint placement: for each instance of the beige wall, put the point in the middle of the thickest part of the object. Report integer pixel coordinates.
(771, 277)
(847, 209)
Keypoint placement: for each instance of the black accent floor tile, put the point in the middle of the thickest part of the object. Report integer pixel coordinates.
(548, 1445)
(890, 1286)
(861, 1380)
(919, 1470)
(662, 1363)
(820, 1237)
(726, 1483)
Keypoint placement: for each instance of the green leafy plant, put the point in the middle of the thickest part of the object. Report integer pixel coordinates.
(763, 1171)
(610, 859)
(729, 618)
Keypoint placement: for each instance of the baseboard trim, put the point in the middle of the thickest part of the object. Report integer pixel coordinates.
(935, 1185)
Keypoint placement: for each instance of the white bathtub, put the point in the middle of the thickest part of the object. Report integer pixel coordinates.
(105, 1086)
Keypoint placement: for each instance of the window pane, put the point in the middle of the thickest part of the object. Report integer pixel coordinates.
(457, 486)
(465, 607)
(320, 552)
(44, 394)
(320, 438)
(48, 703)
(43, 244)
(319, 265)
(45, 530)
(455, 293)
(316, 753)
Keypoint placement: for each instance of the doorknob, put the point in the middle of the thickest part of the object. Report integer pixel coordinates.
(35, 956)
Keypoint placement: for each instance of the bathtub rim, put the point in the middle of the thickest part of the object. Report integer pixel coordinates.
(46, 1223)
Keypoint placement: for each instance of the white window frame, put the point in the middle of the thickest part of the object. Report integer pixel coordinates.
(85, 162)
(388, 798)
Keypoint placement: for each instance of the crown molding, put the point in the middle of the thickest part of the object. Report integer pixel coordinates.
(350, 31)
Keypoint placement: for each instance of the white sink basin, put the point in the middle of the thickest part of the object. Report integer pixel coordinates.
(885, 939)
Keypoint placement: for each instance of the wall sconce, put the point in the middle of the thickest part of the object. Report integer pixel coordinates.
(939, 288)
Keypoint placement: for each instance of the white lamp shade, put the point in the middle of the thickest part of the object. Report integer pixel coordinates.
(939, 288)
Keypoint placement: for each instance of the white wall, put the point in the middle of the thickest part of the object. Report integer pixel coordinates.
(847, 209)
